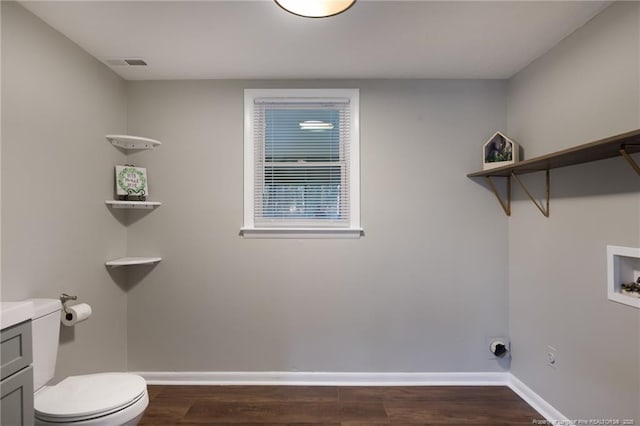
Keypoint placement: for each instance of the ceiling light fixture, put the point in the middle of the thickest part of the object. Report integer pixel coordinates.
(315, 8)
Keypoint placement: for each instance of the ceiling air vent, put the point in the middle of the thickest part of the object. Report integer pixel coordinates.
(119, 62)
(135, 62)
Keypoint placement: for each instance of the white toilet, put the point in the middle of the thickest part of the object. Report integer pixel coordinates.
(104, 399)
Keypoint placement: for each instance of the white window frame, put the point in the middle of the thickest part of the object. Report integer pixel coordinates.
(353, 230)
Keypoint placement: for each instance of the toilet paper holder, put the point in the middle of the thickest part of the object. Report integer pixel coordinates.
(64, 298)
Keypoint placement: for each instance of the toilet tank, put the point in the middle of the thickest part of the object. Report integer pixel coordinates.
(45, 331)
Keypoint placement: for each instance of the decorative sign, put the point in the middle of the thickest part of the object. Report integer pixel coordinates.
(499, 151)
(131, 182)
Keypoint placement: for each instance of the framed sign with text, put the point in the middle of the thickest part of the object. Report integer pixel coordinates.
(131, 183)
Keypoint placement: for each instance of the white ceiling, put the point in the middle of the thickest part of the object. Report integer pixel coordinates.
(374, 39)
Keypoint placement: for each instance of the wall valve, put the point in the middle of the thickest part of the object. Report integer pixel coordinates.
(498, 348)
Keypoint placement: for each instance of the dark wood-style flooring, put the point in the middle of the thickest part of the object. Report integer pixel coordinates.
(336, 406)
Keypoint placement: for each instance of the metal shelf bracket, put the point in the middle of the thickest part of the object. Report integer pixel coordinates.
(632, 162)
(543, 209)
(505, 204)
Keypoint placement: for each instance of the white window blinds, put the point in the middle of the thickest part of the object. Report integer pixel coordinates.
(302, 162)
(301, 152)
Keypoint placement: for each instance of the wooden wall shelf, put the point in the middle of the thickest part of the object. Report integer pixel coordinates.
(593, 151)
(623, 145)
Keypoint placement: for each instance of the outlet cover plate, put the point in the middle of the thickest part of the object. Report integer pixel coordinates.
(552, 357)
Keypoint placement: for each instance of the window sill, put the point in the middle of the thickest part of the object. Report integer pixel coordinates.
(302, 233)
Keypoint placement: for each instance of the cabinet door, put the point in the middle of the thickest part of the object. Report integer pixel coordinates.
(16, 400)
(15, 348)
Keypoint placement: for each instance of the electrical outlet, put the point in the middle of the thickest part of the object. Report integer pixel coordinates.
(552, 357)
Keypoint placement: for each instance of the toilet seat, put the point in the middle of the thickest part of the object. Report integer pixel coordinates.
(91, 396)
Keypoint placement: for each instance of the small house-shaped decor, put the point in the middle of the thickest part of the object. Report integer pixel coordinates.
(499, 151)
(131, 183)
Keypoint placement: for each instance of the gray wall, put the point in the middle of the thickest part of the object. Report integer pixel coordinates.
(419, 292)
(584, 89)
(57, 169)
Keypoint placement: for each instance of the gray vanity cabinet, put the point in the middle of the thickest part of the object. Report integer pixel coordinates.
(16, 371)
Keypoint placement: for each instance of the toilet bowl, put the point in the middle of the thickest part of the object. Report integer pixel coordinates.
(102, 399)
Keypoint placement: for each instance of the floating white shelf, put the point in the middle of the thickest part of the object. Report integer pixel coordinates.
(116, 204)
(127, 261)
(132, 142)
(623, 266)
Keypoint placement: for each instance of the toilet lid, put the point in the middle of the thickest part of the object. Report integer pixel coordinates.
(89, 395)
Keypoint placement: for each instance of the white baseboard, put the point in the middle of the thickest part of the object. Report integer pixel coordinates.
(546, 410)
(288, 378)
(325, 379)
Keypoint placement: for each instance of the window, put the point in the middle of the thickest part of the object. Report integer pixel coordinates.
(301, 170)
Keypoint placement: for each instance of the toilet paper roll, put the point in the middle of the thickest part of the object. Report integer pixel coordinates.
(75, 314)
